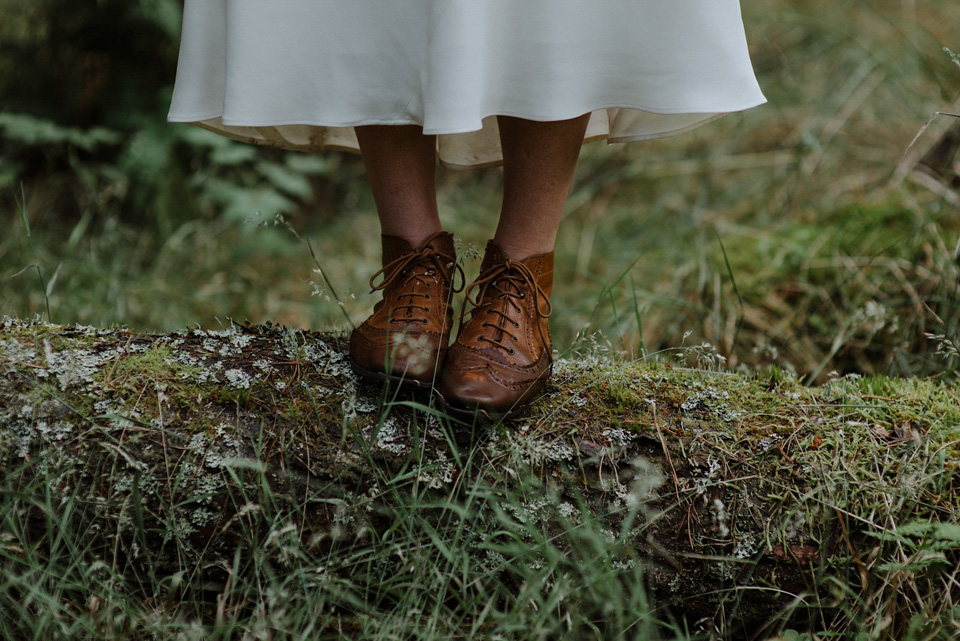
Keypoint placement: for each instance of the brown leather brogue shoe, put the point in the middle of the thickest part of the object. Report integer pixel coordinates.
(502, 356)
(406, 337)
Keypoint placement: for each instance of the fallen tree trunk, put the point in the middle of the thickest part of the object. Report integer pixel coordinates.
(740, 497)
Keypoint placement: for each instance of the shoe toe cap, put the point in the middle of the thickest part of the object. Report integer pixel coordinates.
(476, 388)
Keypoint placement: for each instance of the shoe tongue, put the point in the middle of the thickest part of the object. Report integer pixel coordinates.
(492, 256)
(443, 242)
(541, 266)
(393, 247)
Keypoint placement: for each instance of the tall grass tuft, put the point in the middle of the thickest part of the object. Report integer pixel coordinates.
(25, 221)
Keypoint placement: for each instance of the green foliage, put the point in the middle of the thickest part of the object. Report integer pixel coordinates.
(33, 131)
(85, 96)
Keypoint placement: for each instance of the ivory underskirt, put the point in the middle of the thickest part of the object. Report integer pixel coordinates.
(300, 74)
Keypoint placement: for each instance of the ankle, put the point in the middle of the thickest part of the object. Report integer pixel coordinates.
(521, 252)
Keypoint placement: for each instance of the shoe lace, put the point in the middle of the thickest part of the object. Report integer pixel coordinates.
(510, 281)
(410, 270)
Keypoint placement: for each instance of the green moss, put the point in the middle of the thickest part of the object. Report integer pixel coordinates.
(238, 397)
(620, 397)
(146, 379)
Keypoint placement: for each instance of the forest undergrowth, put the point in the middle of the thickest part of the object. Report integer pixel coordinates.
(813, 233)
(813, 240)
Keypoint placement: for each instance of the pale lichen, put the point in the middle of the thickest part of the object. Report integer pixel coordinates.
(438, 473)
(238, 378)
(389, 437)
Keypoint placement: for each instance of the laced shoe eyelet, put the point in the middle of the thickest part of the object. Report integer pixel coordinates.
(523, 294)
(431, 272)
(511, 351)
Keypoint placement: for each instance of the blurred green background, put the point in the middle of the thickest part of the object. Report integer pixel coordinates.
(808, 233)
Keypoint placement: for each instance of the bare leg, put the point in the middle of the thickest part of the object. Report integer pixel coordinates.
(401, 168)
(538, 163)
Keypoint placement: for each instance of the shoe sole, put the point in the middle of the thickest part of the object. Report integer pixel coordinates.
(464, 415)
(469, 415)
(400, 381)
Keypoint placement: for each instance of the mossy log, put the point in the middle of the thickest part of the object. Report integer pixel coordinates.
(740, 495)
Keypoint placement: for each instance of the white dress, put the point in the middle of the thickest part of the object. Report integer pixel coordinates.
(300, 74)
